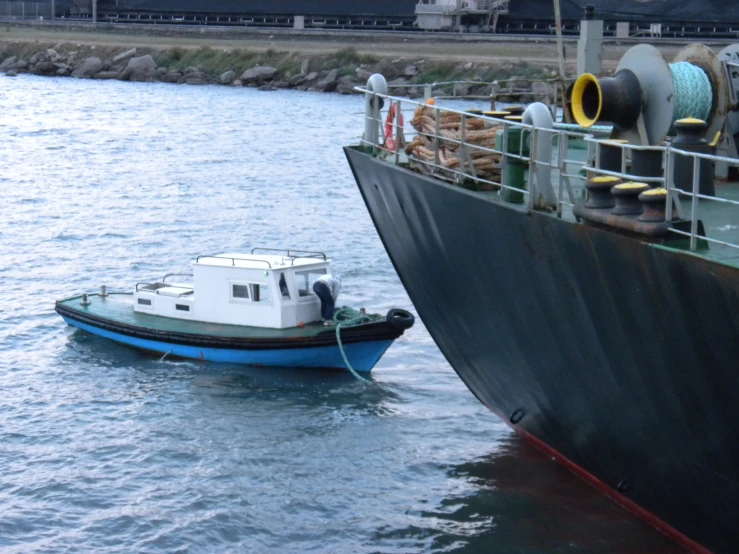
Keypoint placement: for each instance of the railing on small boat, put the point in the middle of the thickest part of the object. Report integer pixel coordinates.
(292, 253)
(234, 260)
(164, 279)
(568, 173)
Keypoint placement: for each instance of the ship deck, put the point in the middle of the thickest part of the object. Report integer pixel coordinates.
(720, 220)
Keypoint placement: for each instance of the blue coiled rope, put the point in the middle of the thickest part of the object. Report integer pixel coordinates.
(693, 94)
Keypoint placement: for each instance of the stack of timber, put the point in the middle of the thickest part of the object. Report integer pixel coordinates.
(465, 148)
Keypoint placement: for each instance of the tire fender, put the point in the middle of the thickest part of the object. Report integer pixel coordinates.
(400, 319)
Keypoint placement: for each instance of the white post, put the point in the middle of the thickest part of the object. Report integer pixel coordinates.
(539, 116)
(375, 84)
(590, 45)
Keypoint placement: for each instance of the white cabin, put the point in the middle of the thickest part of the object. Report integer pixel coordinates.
(258, 290)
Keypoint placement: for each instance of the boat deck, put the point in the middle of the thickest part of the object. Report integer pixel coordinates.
(720, 220)
(118, 307)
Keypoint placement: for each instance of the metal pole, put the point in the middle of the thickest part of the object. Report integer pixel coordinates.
(668, 185)
(398, 132)
(562, 144)
(437, 158)
(694, 206)
(94, 12)
(533, 185)
(560, 44)
(561, 57)
(462, 158)
(53, 11)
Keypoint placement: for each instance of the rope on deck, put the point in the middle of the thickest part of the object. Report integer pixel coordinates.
(693, 93)
(347, 317)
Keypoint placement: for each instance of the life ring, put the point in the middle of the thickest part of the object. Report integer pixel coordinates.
(400, 319)
(389, 127)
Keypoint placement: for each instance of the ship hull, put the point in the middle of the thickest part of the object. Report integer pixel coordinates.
(619, 357)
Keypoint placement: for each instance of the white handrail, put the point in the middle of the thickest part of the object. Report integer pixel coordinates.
(548, 183)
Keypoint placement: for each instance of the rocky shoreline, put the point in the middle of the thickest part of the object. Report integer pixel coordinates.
(273, 70)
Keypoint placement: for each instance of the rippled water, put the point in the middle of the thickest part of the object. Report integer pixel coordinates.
(107, 449)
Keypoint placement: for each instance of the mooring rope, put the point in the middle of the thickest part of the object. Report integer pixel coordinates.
(346, 317)
(693, 94)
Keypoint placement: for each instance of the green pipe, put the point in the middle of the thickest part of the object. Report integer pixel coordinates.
(514, 174)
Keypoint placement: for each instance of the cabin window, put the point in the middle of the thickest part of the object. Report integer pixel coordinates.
(144, 302)
(182, 307)
(259, 292)
(283, 287)
(305, 280)
(240, 292)
(254, 292)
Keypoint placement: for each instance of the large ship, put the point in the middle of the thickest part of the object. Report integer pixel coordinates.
(600, 321)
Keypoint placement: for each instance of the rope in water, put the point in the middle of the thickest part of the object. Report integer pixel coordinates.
(346, 317)
(693, 94)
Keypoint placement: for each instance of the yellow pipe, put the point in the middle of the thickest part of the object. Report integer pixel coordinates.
(578, 90)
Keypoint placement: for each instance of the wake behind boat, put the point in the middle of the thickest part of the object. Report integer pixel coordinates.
(257, 309)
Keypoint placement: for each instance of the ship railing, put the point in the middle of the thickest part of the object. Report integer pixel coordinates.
(465, 174)
(682, 203)
(567, 173)
(435, 167)
(564, 168)
(502, 90)
(696, 197)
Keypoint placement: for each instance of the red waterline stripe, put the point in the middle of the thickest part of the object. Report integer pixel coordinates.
(619, 499)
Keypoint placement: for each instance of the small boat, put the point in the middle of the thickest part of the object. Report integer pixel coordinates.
(257, 309)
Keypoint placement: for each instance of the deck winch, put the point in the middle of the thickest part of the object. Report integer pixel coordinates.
(647, 95)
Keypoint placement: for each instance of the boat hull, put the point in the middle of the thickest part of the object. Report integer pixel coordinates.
(617, 356)
(363, 356)
(311, 345)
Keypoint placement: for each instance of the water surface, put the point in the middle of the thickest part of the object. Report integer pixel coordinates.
(107, 449)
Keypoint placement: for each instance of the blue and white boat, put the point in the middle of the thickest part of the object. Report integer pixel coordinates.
(257, 309)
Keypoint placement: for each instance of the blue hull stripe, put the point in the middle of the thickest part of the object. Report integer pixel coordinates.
(362, 355)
